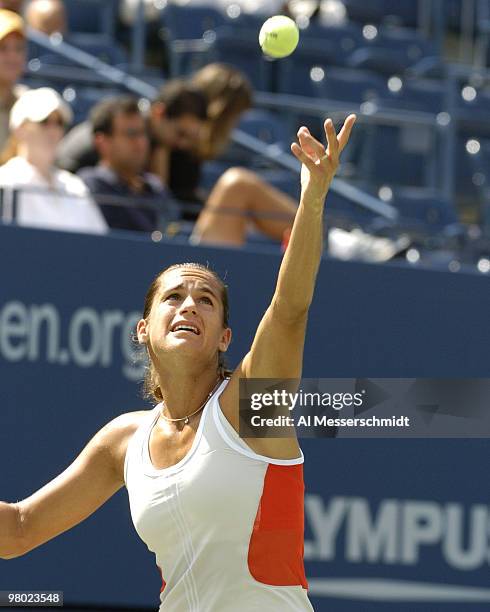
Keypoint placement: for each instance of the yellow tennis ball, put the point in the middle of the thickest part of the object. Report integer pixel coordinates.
(279, 36)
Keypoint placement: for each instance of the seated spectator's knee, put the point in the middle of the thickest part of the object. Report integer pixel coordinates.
(237, 177)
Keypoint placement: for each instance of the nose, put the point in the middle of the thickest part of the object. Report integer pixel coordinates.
(188, 305)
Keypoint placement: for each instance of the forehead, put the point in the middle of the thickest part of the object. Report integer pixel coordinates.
(13, 37)
(122, 119)
(188, 120)
(190, 277)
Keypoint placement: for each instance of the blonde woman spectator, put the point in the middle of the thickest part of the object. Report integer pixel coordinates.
(47, 197)
(12, 65)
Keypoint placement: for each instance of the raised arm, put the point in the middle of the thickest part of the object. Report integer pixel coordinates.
(94, 476)
(277, 349)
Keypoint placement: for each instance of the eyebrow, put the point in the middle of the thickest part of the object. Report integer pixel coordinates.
(204, 289)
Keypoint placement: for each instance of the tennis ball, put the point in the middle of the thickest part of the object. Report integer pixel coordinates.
(279, 36)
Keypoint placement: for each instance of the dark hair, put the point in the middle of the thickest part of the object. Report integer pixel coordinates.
(181, 98)
(151, 389)
(103, 114)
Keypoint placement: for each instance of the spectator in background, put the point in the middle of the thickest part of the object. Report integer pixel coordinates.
(229, 94)
(174, 121)
(47, 16)
(324, 12)
(177, 122)
(122, 142)
(12, 64)
(47, 197)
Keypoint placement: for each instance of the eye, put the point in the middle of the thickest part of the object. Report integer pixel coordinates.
(206, 299)
(173, 296)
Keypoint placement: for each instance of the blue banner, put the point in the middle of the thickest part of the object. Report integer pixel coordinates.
(390, 524)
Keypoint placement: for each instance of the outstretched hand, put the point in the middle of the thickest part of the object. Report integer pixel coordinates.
(319, 165)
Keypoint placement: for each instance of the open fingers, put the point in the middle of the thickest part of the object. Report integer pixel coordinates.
(333, 145)
(299, 153)
(310, 145)
(344, 134)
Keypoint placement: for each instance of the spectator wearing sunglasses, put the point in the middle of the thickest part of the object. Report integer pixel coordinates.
(36, 193)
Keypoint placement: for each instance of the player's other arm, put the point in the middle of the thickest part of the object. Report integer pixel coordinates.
(93, 477)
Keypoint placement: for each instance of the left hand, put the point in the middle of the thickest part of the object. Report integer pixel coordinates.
(319, 165)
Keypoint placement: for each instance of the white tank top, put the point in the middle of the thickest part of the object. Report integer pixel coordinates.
(226, 525)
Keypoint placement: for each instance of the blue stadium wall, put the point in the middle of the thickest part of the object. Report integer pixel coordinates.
(366, 321)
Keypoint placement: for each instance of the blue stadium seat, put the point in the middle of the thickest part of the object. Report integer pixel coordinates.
(400, 156)
(83, 99)
(108, 52)
(294, 73)
(325, 47)
(473, 103)
(402, 12)
(391, 50)
(423, 212)
(415, 94)
(340, 40)
(380, 59)
(190, 22)
(266, 127)
(92, 16)
(427, 207)
(471, 168)
(347, 85)
(240, 49)
(187, 31)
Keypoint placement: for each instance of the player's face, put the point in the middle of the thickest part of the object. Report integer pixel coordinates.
(12, 58)
(192, 298)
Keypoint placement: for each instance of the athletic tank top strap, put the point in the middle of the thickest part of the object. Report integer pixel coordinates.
(233, 439)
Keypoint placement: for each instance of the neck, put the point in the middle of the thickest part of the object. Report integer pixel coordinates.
(131, 178)
(41, 160)
(184, 392)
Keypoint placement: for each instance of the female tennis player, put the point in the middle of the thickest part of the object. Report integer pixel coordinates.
(224, 516)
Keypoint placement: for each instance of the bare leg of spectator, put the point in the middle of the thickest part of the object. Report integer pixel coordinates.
(238, 197)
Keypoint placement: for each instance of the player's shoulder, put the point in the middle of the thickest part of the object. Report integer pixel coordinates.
(115, 435)
(125, 424)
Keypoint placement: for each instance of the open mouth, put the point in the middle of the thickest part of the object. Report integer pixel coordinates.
(187, 328)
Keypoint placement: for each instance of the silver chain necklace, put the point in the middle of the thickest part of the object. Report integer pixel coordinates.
(186, 418)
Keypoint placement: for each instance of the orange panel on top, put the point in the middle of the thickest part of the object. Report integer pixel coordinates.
(276, 548)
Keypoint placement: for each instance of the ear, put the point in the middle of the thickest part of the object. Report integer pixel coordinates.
(225, 340)
(142, 331)
(99, 140)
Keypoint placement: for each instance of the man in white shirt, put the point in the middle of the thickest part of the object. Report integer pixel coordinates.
(36, 193)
